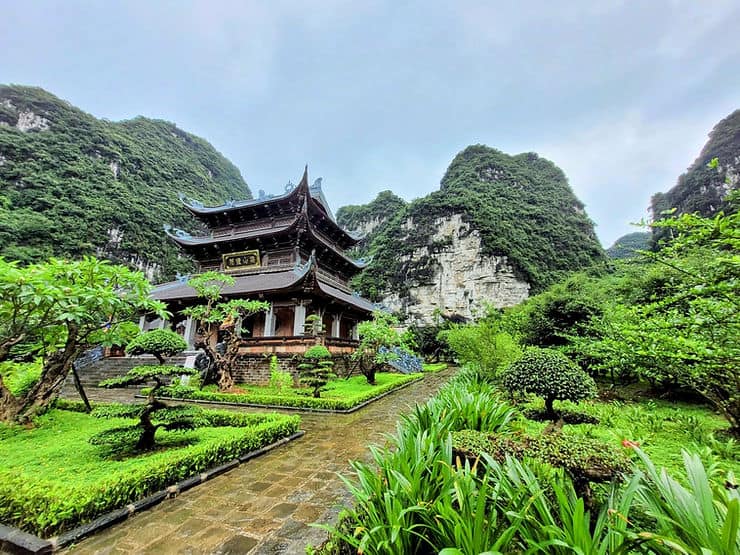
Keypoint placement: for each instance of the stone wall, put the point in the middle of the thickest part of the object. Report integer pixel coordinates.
(465, 280)
(255, 369)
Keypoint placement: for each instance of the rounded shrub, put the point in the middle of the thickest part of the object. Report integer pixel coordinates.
(160, 343)
(551, 375)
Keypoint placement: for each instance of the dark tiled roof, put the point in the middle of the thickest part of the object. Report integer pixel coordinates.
(188, 240)
(251, 283)
(264, 283)
(349, 298)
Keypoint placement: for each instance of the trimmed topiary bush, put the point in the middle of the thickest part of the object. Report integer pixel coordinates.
(585, 459)
(551, 375)
(160, 343)
(316, 368)
(155, 414)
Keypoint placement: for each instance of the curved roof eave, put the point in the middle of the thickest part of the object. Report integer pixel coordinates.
(197, 208)
(185, 239)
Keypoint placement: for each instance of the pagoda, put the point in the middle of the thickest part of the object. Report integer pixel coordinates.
(287, 250)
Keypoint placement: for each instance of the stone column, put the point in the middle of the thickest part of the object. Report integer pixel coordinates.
(189, 334)
(163, 324)
(269, 322)
(299, 318)
(142, 323)
(335, 323)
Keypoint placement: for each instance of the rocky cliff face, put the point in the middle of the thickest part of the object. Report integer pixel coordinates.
(462, 279)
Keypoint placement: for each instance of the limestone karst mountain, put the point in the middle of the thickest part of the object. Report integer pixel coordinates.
(499, 228)
(72, 184)
(704, 187)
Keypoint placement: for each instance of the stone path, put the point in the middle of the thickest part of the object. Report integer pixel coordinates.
(266, 505)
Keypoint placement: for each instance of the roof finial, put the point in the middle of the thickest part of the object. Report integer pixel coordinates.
(304, 179)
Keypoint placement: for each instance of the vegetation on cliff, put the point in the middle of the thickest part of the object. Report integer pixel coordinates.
(704, 186)
(72, 184)
(628, 245)
(521, 205)
(371, 218)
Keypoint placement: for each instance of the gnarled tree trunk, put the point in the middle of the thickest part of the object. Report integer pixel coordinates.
(43, 393)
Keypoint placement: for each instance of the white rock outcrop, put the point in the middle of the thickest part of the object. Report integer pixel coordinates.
(28, 121)
(464, 282)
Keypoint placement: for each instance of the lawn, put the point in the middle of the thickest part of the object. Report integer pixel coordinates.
(339, 394)
(53, 479)
(661, 428)
(434, 366)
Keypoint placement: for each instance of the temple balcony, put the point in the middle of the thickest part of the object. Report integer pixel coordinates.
(295, 344)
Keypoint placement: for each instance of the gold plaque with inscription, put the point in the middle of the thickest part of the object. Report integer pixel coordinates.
(239, 260)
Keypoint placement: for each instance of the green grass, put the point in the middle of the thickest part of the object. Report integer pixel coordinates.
(661, 428)
(53, 479)
(434, 366)
(339, 394)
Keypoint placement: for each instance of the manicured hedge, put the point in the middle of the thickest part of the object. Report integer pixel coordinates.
(296, 401)
(52, 479)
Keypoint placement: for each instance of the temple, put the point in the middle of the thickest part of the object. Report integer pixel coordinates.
(287, 250)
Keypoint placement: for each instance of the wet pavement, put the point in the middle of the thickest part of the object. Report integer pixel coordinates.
(266, 505)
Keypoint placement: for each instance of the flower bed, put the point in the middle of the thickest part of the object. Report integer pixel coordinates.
(339, 395)
(52, 479)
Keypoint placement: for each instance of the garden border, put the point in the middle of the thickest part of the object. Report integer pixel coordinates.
(19, 541)
(286, 407)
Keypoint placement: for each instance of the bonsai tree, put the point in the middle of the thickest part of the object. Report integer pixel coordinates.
(160, 343)
(154, 414)
(378, 337)
(226, 315)
(316, 368)
(551, 375)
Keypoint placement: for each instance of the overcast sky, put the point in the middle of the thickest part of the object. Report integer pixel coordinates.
(382, 95)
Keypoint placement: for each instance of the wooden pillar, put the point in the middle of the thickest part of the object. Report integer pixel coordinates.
(355, 332)
(142, 323)
(189, 334)
(335, 325)
(299, 318)
(269, 322)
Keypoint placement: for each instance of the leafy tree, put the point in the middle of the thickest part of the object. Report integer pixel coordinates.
(565, 309)
(316, 368)
(688, 331)
(551, 375)
(377, 339)
(58, 309)
(483, 345)
(225, 314)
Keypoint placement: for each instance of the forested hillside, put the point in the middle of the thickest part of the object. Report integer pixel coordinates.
(370, 219)
(72, 184)
(521, 206)
(704, 186)
(628, 245)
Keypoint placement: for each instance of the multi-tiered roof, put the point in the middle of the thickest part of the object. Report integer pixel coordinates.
(299, 244)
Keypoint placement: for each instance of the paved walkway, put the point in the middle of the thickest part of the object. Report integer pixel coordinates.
(266, 505)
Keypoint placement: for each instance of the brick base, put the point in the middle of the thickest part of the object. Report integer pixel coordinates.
(255, 369)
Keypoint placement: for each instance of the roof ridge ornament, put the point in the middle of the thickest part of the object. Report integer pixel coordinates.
(175, 232)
